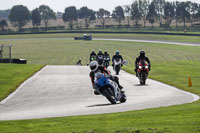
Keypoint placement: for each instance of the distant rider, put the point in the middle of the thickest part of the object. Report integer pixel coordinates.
(100, 56)
(93, 55)
(142, 57)
(106, 57)
(95, 67)
(117, 57)
(79, 63)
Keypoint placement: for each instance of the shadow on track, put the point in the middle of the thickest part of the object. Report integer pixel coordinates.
(141, 85)
(108, 104)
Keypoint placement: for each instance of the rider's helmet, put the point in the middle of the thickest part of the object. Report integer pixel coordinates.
(100, 51)
(94, 65)
(142, 53)
(93, 51)
(117, 52)
(106, 52)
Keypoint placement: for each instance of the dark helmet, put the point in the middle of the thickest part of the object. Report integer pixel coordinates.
(142, 53)
(100, 51)
(106, 52)
(117, 52)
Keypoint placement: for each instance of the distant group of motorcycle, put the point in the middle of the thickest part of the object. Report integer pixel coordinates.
(107, 85)
(104, 60)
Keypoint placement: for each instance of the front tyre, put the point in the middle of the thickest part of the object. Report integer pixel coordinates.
(143, 82)
(117, 72)
(123, 98)
(117, 69)
(143, 78)
(109, 95)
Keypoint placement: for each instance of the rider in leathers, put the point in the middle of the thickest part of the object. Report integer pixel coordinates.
(117, 57)
(106, 55)
(95, 67)
(93, 54)
(100, 57)
(142, 57)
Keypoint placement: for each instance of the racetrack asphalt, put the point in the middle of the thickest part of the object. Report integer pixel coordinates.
(57, 91)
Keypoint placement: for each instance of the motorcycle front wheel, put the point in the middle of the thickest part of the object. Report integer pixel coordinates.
(117, 71)
(123, 98)
(109, 95)
(143, 80)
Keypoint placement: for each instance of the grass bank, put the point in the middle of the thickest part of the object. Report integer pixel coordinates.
(68, 52)
(12, 75)
(175, 73)
(171, 64)
(175, 119)
(176, 38)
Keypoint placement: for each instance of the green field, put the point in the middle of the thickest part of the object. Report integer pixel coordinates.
(192, 39)
(171, 64)
(12, 75)
(67, 52)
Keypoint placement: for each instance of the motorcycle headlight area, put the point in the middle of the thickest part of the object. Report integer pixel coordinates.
(146, 67)
(140, 67)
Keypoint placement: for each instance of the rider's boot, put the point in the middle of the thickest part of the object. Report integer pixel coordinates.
(120, 87)
(122, 91)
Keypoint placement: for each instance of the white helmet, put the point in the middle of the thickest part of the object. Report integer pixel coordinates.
(94, 65)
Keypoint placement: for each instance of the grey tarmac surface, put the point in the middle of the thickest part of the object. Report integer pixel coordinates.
(58, 91)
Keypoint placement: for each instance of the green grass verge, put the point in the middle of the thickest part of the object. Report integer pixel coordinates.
(175, 73)
(176, 38)
(174, 119)
(12, 75)
(68, 52)
(171, 64)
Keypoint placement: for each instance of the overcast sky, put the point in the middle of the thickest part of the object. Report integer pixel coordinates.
(59, 5)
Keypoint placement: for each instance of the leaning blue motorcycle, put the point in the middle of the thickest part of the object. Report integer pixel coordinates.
(109, 89)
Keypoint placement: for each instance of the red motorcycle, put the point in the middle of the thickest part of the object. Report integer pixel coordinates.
(142, 72)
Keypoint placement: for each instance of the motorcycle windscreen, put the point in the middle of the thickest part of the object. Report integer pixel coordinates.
(98, 75)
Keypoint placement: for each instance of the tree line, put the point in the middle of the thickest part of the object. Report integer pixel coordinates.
(139, 10)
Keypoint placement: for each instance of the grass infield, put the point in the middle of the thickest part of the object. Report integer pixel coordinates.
(171, 64)
(12, 75)
(176, 38)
